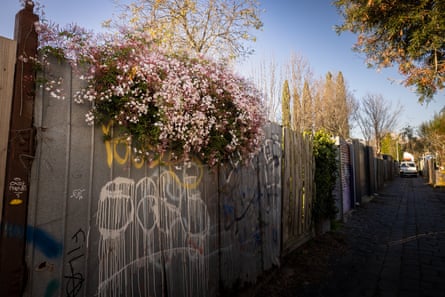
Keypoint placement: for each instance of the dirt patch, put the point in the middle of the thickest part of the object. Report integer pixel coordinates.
(302, 272)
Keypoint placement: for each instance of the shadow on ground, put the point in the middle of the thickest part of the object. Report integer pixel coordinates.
(302, 272)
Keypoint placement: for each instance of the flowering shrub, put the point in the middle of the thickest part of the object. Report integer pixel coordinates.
(163, 102)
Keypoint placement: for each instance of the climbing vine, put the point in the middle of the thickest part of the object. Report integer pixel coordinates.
(160, 102)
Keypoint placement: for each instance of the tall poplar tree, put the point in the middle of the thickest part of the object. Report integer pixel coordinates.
(306, 107)
(296, 111)
(326, 103)
(285, 105)
(333, 106)
(342, 109)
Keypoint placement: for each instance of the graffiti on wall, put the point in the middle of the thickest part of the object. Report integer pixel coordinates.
(118, 150)
(150, 228)
(17, 186)
(271, 198)
(44, 242)
(75, 255)
(251, 214)
(77, 194)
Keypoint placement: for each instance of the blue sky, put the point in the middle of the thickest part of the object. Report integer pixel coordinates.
(301, 26)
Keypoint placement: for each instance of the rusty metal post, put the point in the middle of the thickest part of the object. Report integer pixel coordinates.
(19, 158)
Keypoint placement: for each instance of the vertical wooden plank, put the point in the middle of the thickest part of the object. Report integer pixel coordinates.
(270, 196)
(299, 168)
(290, 150)
(309, 181)
(8, 50)
(295, 180)
(303, 186)
(287, 213)
(298, 184)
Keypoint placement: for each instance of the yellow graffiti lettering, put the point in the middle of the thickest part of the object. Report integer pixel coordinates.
(105, 131)
(138, 163)
(121, 160)
(119, 150)
(111, 148)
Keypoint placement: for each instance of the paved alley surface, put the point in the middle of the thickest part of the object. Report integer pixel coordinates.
(395, 247)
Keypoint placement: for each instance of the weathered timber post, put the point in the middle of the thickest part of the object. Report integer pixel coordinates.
(19, 158)
(8, 51)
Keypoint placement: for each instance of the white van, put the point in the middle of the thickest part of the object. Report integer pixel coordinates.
(408, 168)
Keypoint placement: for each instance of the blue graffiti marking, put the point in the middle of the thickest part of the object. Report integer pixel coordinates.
(228, 209)
(44, 242)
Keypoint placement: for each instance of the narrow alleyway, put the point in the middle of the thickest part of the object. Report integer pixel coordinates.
(393, 245)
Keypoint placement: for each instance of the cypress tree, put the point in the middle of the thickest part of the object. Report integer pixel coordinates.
(285, 104)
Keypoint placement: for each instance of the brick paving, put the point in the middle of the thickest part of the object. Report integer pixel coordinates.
(396, 245)
(391, 246)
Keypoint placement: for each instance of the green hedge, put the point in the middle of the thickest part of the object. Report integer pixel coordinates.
(326, 173)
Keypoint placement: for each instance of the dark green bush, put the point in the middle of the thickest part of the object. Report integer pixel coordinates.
(326, 173)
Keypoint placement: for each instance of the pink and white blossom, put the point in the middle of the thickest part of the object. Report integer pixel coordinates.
(189, 106)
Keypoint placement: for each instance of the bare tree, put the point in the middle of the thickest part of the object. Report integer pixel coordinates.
(217, 28)
(326, 104)
(300, 73)
(267, 77)
(376, 117)
(314, 103)
(432, 135)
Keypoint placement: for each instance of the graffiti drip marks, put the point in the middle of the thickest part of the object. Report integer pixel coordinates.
(150, 230)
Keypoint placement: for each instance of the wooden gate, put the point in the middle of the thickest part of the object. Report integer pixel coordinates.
(298, 190)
